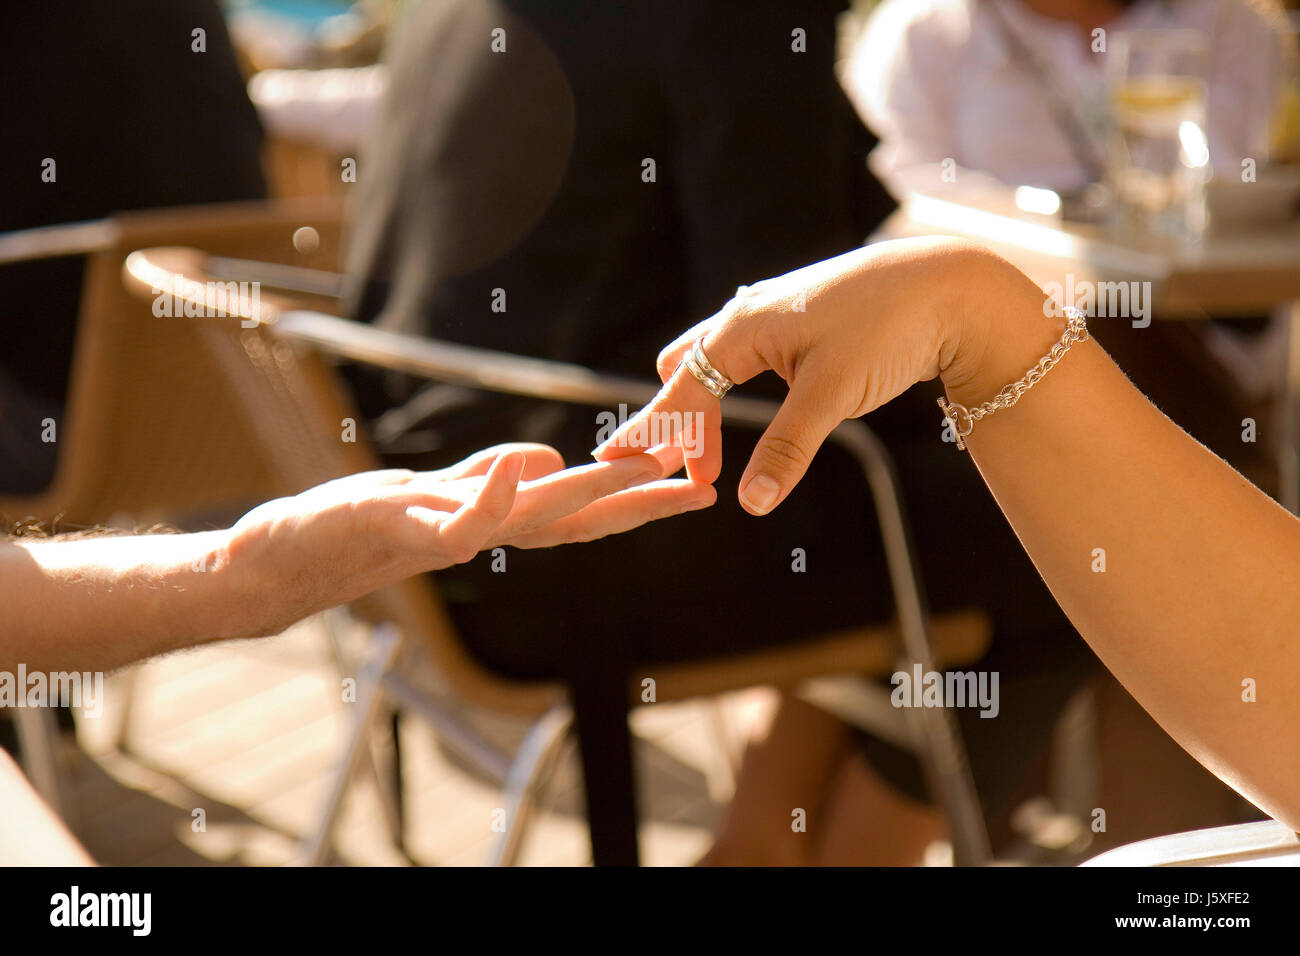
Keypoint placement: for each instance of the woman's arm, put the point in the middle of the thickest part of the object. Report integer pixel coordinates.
(1199, 601)
(1198, 609)
(99, 603)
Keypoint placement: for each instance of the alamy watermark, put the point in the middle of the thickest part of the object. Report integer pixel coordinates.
(953, 689)
(133, 911)
(1107, 300)
(80, 689)
(654, 429)
(194, 299)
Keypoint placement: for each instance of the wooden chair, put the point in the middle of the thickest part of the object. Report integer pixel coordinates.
(294, 409)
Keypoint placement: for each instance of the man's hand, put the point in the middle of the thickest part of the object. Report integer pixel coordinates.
(99, 603)
(348, 537)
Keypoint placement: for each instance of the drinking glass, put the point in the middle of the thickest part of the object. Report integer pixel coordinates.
(1158, 158)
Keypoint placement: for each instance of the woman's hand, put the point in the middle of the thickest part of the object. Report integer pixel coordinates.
(1195, 601)
(847, 335)
(348, 537)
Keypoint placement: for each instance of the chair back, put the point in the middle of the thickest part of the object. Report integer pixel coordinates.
(161, 422)
(298, 428)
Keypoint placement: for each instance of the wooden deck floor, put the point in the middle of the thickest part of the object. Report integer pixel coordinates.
(229, 750)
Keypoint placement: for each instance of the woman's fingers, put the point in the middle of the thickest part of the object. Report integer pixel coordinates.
(685, 414)
(740, 310)
(462, 535)
(686, 409)
(621, 511)
(556, 496)
(673, 354)
(787, 447)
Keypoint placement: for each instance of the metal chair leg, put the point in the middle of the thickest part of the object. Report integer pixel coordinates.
(383, 650)
(533, 765)
(389, 784)
(1076, 774)
(943, 753)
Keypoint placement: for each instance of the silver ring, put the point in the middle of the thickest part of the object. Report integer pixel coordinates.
(697, 363)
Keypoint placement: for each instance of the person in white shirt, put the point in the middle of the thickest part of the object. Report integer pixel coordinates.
(1015, 89)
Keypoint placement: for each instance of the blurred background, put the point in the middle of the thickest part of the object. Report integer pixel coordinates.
(576, 183)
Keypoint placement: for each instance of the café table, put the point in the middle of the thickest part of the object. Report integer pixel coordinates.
(1222, 274)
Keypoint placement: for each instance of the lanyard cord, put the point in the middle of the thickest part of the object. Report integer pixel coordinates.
(1063, 115)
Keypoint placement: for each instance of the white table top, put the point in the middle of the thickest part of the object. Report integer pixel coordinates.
(1228, 273)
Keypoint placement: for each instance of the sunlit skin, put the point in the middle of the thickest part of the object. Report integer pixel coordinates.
(1202, 584)
(1202, 587)
(100, 603)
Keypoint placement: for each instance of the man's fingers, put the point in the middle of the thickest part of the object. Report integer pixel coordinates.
(670, 458)
(540, 460)
(620, 512)
(786, 449)
(556, 496)
(465, 533)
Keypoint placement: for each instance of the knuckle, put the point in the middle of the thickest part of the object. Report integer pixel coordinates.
(464, 553)
(785, 453)
(740, 306)
(498, 510)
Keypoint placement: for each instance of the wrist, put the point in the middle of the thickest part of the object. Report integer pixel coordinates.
(256, 592)
(995, 327)
(236, 587)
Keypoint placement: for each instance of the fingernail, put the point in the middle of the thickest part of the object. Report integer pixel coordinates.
(695, 506)
(760, 494)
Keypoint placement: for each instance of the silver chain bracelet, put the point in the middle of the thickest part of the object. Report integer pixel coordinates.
(962, 419)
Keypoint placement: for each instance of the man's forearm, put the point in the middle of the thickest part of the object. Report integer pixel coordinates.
(1183, 577)
(100, 603)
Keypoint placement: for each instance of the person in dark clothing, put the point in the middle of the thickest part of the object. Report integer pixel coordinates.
(578, 182)
(109, 107)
